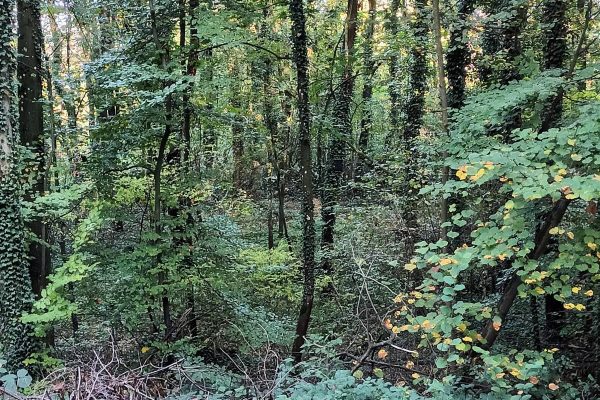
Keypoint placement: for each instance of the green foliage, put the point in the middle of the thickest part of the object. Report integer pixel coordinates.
(528, 175)
(55, 304)
(13, 383)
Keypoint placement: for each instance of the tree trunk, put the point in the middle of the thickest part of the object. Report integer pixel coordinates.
(31, 129)
(413, 112)
(457, 59)
(157, 212)
(458, 55)
(237, 133)
(300, 58)
(555, 51)
(394, 84)
(342, 136)
(15, 284)
(441, 77)
(367, 94)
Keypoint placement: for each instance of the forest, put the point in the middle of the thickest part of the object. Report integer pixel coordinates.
(299, 199)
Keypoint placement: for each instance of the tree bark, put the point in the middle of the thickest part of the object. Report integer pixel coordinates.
(31, 129)
(342, 132)
(300, 58)
(15, 284)
(367, 93)
(157, 212)
(458, 55)
(441, 78)
(394, 84)
(555, 51)
(413, 113)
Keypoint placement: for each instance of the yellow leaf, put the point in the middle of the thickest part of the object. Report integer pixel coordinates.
(592, 246)
(571, 142)
(404, 328)
(489, 165)
(446, 261)
(558, 178)
(382, 353)
(496, 325)
(575, 289)
(462, 173)
(500, 375)
(530, 281)
(515, 372)
(579, 307)
(569, 306)
(461, 327)
(478, 175)
(409, 364)
(415, 375)
(571, 235)
(539, 290)
(589, 293)
(427, 324)
(468, 339)
(409, 267)
(502, 257)
(554, 231)
(395, 330)
(145, 349)
(387, 323)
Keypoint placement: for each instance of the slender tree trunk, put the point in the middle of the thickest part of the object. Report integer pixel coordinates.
(31, 128)
(191, 73)
(367, 94)
(15, 285)
(413, 112)
(441, 77)
(237, 133)
(157, 212)
(555, 51)
(342, 136)
(581, 10)
(458, 55)
(300, 57)
(394, 84)
(190, 68)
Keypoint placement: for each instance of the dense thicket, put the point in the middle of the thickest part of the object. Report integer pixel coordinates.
(307, 199)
